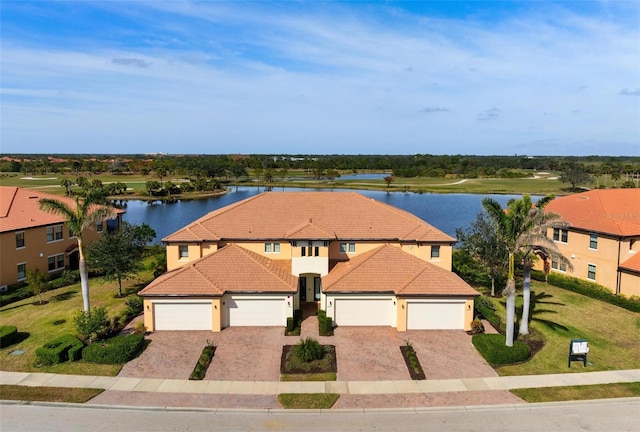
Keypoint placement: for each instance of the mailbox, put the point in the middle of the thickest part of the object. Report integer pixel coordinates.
(578, 349)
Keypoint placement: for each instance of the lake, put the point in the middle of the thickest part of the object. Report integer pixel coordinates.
(444, 211)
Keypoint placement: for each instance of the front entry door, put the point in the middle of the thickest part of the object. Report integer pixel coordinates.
(316, 288)
(302, 288)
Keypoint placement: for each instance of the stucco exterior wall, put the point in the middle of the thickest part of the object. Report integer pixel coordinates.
(36, 250)
(629, 284)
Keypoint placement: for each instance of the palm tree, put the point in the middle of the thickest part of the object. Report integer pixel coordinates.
(523, 226)
(80, 218)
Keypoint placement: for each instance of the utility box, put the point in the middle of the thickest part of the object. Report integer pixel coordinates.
(578, 349)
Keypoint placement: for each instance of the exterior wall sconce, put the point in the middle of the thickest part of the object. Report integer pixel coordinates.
(402, 306)
(330, 304)
(394, 302)
(148, 307)
(288, 303)
(215, 306)
(468, 307)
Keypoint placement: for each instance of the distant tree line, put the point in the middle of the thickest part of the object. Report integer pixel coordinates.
(272, 167)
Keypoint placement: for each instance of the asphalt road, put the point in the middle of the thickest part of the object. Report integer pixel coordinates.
(604, 415)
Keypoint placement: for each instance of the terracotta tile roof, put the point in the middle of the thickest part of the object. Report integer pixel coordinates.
(632, 264)
(231, 269)
(389, 269)
(20, 209)
(607, 211)
(320, 215)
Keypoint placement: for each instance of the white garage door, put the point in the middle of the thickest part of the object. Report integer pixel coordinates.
(255, 312)
(361, 312)
(435, 315)
(183, 316)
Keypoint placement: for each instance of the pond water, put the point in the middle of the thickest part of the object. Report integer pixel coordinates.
(444, 211)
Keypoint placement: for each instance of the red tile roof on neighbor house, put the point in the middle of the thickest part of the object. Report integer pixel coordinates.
(606, 211)
(20, 209)
(388, 269)
(632, 264)
(309, 216)
(231, 269)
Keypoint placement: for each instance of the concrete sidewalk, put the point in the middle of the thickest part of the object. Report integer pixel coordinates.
(154, 385)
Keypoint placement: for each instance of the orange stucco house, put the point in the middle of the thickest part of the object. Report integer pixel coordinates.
(32, 239)
(603, 239)
(254, 262)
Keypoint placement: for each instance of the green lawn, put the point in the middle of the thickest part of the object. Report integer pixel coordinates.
(559, 316)
(48, 394)
(46, 322)
(307, 400)
(601, 391)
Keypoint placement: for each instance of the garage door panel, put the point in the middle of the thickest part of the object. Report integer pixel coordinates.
(364, 312)
(435, 315)
(255, 312)
(183, 316)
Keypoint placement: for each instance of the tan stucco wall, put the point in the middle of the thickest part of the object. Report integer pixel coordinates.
(401, 305)
(148, 315)
(629, 284)
(468, 314)
(173, 255)
(258, 247)
(36, 251)
(216, 313)
(605, 258)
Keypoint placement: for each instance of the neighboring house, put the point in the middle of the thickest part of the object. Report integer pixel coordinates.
(603, 239)
(32, 239)
(254, 262)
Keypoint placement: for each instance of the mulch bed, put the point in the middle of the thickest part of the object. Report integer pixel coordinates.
(328, 364)
(413, 373)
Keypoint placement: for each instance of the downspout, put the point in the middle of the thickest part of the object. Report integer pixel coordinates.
(618, 275)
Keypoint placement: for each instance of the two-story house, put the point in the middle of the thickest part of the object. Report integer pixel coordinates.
(254, 262)
(603, 237)
(32, 239)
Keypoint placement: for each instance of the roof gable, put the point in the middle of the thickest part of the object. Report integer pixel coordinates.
(607, 211)
(309, 215)
(389, 269)
(229, 269)
(632, 264)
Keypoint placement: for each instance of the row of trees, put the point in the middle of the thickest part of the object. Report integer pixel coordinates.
(500, 237)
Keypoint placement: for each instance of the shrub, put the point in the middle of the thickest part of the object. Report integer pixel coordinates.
(133, 305)
(140, 328)
(485, 307)
(495, 352)
(294, 323)
(200, 370)
(309, 350)
(92, 323)
(67, 277)
(476, 326)
(119, 349)
(8, 335)
(593, 290)
(62, 349)
(325, 324)
(16, 293)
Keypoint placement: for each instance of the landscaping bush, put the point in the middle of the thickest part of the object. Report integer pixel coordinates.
(67, 277)
(8, 335)
(294, 323)
(200, 370)
(62, 349)
(133, 305)
(495, 352)
(411, 360)
(476, 326)
(485, 307)
(593, 290)
(309, 350)
(92, 324)
(325, 324)
(119, 349)
(16, 293)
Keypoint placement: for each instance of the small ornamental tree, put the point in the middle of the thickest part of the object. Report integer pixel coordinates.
(37, 282)
(91, 325)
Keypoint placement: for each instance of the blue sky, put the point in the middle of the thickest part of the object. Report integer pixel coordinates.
(451, 77)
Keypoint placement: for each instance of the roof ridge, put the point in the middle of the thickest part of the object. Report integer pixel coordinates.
(302, 225)
(10, 203)
(261, 261)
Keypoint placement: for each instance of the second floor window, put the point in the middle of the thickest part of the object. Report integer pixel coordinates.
(561, 235)
(54, 233)
(183, 251)
(272, 247)
(435, 252)
(593, 241)
(19, 239)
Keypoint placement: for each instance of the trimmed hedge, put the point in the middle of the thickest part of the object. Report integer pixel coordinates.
(8, 335)
(325, 324)
(588, 289)
(62, 349)
(119, 349)
(484, 306)
(495, 352)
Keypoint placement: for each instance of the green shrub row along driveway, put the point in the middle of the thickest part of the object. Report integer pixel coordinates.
(44, 323)
(558, 316)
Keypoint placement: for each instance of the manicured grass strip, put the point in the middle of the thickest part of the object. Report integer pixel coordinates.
(307, 400)
(599, 391)
(326, 376)
(48, 394)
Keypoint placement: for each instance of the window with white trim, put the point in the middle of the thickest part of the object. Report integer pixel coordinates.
(276, 248)
(55, 262)
(352, 248)
(593, 241)
(99, 226)
(591, 272)
(343, 248)
(183, 252)
(272, 247)
(54, 233)
(558, 266)
(20, 239)
(561, 235)
(435, 251)
(22, 271)
(71, 233)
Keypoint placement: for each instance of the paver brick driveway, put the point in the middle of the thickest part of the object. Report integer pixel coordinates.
(363, 354)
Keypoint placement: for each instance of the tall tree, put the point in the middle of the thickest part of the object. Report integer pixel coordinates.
(483, 243)
(119, 254)
(80, 217)
(575, 176)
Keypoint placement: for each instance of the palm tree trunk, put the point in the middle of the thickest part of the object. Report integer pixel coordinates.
(510, 293)
(84, 276)
(526, 296)
(493, 287)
